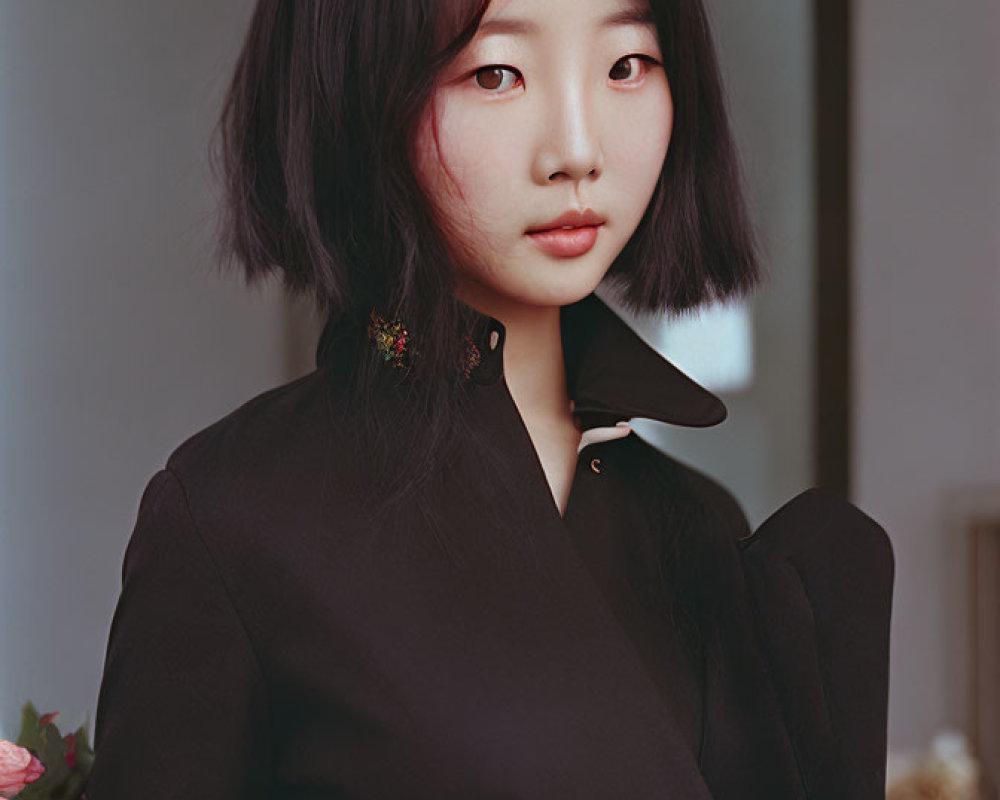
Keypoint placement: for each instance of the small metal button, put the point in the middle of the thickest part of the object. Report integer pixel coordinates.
(494, 339)
(595, 464)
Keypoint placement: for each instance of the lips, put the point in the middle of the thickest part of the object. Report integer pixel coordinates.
(571, 219)
(570, 243)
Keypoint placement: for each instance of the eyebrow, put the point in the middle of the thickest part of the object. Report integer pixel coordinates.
(522, 27)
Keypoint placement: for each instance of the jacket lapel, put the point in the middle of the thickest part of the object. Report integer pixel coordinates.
(564, 597)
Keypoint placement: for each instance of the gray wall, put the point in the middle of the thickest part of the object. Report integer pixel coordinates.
(117, 336)
(926, 173)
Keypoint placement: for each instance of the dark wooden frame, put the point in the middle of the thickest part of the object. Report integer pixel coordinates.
(832, 98)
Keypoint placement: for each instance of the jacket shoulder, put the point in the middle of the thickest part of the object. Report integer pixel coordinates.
(279, 453)
(255, 427)
(819, 524)
(275, 436)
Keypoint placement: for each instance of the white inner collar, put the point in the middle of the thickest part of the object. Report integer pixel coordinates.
(604, 433)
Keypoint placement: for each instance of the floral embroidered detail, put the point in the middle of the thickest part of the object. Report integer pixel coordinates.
(394, 342)
(473, 358)
(390, 338)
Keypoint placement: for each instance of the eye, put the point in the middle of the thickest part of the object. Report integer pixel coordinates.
(491, 77)
(618, 72)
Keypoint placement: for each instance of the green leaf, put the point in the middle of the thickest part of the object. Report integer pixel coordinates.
(59, 780)
(30, 736)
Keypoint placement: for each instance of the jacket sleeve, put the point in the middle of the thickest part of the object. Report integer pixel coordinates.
(820, 575)
(182, 708)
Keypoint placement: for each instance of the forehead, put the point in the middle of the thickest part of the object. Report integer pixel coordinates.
(528, 18)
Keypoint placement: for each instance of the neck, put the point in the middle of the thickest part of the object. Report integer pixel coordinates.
(533, 360)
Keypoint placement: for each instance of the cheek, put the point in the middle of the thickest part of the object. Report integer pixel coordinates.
(478, 149)
(643, 144)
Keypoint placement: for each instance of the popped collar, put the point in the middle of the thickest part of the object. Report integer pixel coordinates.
(612, 373)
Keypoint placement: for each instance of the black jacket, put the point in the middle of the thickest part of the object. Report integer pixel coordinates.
(269, 642)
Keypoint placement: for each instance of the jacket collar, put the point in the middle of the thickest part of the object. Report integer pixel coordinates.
(612, 373)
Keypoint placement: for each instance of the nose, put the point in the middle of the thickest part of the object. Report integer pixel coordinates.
(570, 147)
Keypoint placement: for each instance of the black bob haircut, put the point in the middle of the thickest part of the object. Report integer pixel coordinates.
(314, 150)
(315, 153)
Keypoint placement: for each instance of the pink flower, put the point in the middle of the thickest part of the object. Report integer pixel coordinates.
(18, 768)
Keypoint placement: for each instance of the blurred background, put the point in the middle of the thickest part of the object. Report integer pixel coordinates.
(869, 364)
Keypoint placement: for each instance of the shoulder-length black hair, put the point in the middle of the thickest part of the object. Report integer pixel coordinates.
(314, 149)
(314, 145)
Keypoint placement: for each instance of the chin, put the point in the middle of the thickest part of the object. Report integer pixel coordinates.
(542, 282)
(562, 290)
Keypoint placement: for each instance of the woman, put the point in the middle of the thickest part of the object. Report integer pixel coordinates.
(442, 564)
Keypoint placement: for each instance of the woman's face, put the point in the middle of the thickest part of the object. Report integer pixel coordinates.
(552, 107)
